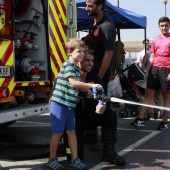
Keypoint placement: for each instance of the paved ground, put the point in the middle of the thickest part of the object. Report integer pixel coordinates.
(144, 148)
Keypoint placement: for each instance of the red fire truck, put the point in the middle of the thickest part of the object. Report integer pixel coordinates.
(32, 36)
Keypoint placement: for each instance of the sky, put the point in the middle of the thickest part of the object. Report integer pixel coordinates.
(152, 9)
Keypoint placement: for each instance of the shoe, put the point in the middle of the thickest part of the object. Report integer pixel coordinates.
(138, 122)
(118, 160)
(77, 163)
(163, 126)
(54, 164)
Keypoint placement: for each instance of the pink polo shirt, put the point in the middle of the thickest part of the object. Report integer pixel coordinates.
(161, 49)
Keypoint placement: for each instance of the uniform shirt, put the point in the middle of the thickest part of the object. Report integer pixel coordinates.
(63, 92)
(87, 106)
(101, 37)
(161, 49)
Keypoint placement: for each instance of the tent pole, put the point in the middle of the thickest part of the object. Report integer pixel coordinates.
(118, 3)
(118, 33)
(145, 39)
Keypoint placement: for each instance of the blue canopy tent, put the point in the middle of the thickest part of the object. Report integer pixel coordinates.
(122, 18)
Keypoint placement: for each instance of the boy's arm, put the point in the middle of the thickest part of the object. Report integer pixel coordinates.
(81, 85)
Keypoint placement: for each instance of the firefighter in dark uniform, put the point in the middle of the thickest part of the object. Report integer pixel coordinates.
(101, 38)
(85, 116)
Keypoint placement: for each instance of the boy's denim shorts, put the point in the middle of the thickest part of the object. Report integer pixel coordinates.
(62, 117)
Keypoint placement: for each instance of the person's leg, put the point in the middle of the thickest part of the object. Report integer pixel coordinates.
(166, 103)
(165, 87)
(56, 115)
(160, 98)
(92, 135)
(81, 124)
(164, 124)
(149, 95)
(72, 142)
(80, 143)
(54, 144)
(66, 147)
(139, 121)
(152, 86)
(109, 136)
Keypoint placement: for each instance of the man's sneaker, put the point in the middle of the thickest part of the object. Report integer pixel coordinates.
(163, 126)
(54, 164)
(138, 122)
(77, 163)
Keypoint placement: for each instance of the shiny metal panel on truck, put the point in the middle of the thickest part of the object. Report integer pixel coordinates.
(71, 18)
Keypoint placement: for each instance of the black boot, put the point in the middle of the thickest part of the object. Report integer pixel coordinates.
(109, 152)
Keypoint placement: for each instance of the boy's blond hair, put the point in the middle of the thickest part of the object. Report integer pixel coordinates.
(74, 43)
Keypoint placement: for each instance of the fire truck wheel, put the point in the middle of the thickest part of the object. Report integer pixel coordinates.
(123, 113)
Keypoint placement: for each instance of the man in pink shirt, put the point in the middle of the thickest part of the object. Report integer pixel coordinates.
(158, 73)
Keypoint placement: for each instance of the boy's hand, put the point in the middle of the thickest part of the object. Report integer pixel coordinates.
(98, 86)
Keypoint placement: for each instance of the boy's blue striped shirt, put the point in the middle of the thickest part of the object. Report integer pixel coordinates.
(63, 92)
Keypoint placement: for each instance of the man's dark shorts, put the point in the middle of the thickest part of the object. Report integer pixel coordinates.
(157, 79)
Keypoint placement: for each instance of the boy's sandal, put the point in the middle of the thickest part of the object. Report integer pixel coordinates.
(77, 163)
(54, 164)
